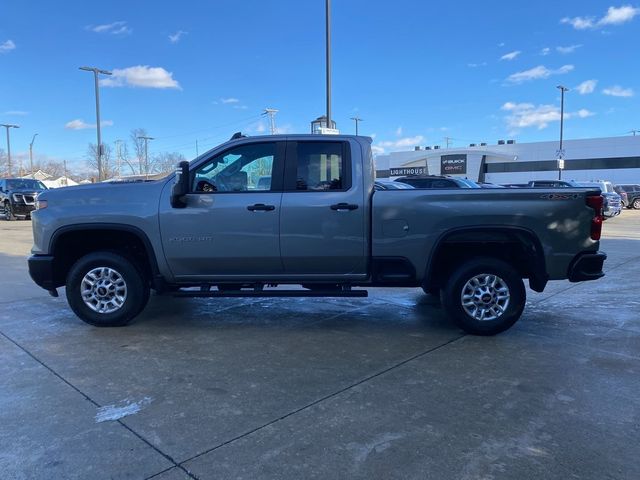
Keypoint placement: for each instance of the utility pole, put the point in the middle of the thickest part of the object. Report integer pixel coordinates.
(31, 154)
(561, 150)
(8, 126)
(357, 120)
(271, 112)
(97, 71)
(448, 141)
(634, 132)
(146, 154)
(328, 52)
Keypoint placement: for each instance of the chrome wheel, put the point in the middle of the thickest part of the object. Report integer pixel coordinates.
(485, 297)
(103, 290)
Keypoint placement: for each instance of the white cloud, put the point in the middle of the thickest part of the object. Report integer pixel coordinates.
(240, 107)
(510, 55)
(545, 51)
(20, 113)
(7, 46)
(115, 28)
(175, 38)
(476, 65)
(79, 124)
(400, 144)
(283, 129)
(229, 100)
(588, 86)
(523, 115)
(614, 16)
(399, 131)
(501, 44)
(580, 23)
(569, 49)
(141, 76)
(618, 91)
(537, 73)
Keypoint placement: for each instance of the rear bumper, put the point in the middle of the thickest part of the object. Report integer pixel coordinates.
(41, 271)
(587, 266)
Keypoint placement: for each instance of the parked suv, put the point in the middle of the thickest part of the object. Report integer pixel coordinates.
(624, 198)
(612, 201)
(437, 181)
(18, 196)
(633, 194)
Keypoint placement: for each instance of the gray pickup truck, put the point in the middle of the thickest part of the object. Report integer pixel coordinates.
(265, 216)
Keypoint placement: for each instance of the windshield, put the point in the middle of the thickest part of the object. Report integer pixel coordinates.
(25, 184)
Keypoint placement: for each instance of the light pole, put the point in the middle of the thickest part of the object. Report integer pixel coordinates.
(146, 153)
(96, 72)
(31, 153)
(328, 51)
(8, 126)
(357, 120)
(561, 151)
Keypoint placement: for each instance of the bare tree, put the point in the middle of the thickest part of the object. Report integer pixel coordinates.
(166, 161)
(108, 167)
(4, 163)
(138, 149)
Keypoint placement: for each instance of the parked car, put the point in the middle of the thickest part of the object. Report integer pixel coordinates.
(612, 201)
(633, 194)
(437, 181)
(624, 198)
(110, 244)
(18, 196)
(549, 184)
(386, 184)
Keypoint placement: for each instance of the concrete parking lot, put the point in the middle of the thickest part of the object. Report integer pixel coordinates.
(382, 387)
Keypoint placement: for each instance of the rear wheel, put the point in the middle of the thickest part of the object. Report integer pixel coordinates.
(636, 204)
(484, 296)
(106, 289)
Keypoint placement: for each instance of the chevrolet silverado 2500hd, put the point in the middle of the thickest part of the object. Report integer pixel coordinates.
(255, 213)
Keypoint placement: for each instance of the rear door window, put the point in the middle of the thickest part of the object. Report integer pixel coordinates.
(318, 167)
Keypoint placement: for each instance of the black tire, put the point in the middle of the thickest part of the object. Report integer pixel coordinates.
(8, 212)
(126, 273)
(506, 313)
(636, 204)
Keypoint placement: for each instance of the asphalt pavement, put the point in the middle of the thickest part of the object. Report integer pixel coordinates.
(377, 388)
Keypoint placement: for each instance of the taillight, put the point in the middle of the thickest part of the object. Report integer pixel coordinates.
(596, 202)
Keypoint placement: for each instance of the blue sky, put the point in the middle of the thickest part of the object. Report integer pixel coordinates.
(414, 71)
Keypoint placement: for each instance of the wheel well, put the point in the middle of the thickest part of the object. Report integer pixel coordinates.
(519, 249)
(70, 246)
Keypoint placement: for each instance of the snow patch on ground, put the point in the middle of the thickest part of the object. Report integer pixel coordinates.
(113, 412)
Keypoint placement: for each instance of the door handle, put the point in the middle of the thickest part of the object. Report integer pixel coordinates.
(344, 206)
(261, 206)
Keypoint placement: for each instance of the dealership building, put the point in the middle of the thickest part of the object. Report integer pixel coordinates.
(615, 158)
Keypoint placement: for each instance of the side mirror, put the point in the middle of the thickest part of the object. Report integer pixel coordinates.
(181, 186)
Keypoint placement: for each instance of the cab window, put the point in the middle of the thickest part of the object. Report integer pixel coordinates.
(242, 169)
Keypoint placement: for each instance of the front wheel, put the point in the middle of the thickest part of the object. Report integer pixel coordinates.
(484, 296)
(8, 212)
(636, 204)
(106, 289)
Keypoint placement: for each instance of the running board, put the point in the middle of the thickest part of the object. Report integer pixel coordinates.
(271, 293)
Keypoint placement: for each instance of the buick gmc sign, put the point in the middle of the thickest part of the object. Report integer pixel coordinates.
(453, 164)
